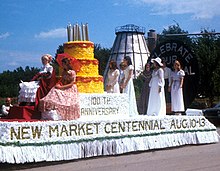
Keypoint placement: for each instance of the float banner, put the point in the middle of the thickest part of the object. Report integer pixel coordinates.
(64, 131)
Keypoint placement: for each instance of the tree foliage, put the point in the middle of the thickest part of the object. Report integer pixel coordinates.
(102, 55)
(174, 32)
(9, 80)
(207, 48)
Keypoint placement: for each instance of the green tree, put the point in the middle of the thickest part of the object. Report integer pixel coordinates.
(9, 80)
(102, 55)
(207, 48)
(54, 62)
(174, 32)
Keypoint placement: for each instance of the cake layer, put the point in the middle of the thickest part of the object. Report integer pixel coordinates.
(80, 49)
(89, 67)
(87, 84)
(88, 79)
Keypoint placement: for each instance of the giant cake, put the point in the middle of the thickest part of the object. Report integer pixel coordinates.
(88, 79)
(93, 102)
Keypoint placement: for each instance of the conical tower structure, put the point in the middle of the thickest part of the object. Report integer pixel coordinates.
(129, 41)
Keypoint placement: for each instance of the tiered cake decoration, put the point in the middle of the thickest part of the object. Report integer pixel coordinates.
(93, 101)
(78, 46)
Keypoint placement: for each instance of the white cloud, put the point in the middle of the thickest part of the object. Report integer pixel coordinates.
(10, 60)
(198, 9)
(22, 56)
(116, 4)
(13, 63)
(4, 35)
(55, 33)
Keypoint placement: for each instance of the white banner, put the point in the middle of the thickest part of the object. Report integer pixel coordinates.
(77, 130)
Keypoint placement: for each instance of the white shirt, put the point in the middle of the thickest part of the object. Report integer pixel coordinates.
(5, 109)
(167, 74)
(46, 68)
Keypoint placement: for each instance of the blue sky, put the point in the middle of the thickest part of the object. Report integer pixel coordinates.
(31, 28)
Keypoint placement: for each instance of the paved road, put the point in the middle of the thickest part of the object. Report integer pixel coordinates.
(185, 158)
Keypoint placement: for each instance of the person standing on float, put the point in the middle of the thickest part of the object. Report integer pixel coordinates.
(128, 86)
(177, 77)
(145, 91)
(167, 75)
(31, 92)
(121, 76)
(46, 78)
(157, 102)
(113, 77)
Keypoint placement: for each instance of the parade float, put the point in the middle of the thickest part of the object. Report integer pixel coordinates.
(105, 126)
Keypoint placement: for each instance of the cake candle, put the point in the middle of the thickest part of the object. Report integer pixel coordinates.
(78, 32)
(83, 32)
(86, 32)
(73, 33)
(69, 32)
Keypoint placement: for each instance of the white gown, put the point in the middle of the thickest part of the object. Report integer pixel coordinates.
(177, 104)
(28, 90)
(129, 89)
(157, 102)
(113, 81)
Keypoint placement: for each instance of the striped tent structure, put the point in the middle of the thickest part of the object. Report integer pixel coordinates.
(129, 41)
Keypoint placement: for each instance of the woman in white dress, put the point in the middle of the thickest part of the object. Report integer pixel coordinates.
(112, 85)
(31, 92)
(128, 86)
(157, 102)
(177, 77)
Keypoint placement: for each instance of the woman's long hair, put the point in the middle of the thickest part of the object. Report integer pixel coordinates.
(179, 67)
(113, 65)
(67, 62)
(128, 59)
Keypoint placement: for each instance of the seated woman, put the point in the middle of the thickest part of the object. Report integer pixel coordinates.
(62, 102)
(39, 86)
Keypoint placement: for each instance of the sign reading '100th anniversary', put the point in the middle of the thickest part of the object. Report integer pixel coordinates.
(172, 50)
(104, 104)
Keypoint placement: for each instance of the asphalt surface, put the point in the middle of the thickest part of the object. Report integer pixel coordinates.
(204, 157)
